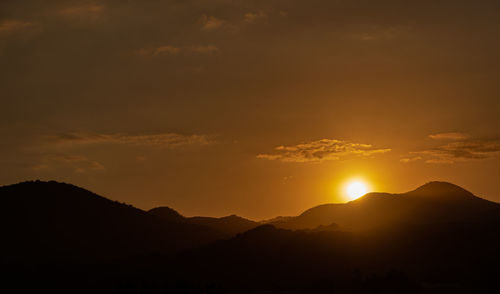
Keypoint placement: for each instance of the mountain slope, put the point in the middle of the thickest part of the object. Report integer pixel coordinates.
(229, 225)
(55, 221)
(167, 213)
(434, 202)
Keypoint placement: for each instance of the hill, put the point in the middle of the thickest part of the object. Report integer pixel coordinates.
(50, 221)
(59, 238)
(434, 202)
(229, 225)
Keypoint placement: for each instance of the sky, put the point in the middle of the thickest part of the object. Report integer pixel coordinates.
(256, 108)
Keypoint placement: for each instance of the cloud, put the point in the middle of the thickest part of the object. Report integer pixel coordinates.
(172, 50)
(410, 159)
(209, 22)
(155, 51)
(52, 152)
(380, 33)
(82, 10)
(449, 136)
(82, 14)
(77, 163)
(164, 140)
(251, 17)
(321, 150)
(207, 49)
(468, 150)
(11, 25)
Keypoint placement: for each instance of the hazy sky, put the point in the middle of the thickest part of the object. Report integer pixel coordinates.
(259, 108)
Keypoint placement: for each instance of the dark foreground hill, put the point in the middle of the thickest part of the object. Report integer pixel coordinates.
(436, 239)
(50, 221)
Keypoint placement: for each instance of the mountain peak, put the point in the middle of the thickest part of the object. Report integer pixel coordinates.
(440, 184)
(442, 190)
(167, 213)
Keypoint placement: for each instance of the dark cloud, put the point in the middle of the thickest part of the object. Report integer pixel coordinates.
(163, 140)
(59, 162)
(55, 153)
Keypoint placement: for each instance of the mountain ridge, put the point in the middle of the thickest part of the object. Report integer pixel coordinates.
(71, 238)
(65, 220)
(231, 224)
(432, 202)
(59, 221)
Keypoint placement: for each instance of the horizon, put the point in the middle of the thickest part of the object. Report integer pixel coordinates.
(61, 238)
(250, 218)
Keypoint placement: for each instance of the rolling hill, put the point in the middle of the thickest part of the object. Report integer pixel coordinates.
(50, 221)
(434, 202)
(230, 225)
(60, 238)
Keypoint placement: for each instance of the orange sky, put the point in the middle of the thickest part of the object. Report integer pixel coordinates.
(259, 108)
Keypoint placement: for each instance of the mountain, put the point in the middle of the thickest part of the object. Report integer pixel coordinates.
(42, 221)
(434, 202)
(229, 225)
(438, 238)
(167, 213)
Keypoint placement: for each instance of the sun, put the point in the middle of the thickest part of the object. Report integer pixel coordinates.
(355, 189)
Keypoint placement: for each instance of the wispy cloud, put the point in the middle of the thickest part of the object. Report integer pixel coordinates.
(252, 17)
(321, 150)
(164, 140)
(459, 151)
(233, 24)
(82, 10)
(209, 22)
(11, 25)
(161, 50)
(207, 49)
(380, 33)
(86, 14)
(57, 152)
(173, 50)
(77, 163)
(449, 136)
(410, 159)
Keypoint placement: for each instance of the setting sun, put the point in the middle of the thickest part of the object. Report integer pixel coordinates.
(355, 189)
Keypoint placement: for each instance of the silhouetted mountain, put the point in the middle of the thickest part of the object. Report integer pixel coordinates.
(423, 258)
(54, 221)
(438, 238)
(230, 225)
(277, 219)
(168, 214)
(328, 228)
(434, 202)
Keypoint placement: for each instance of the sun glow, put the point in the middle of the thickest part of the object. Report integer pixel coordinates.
(355, 189)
